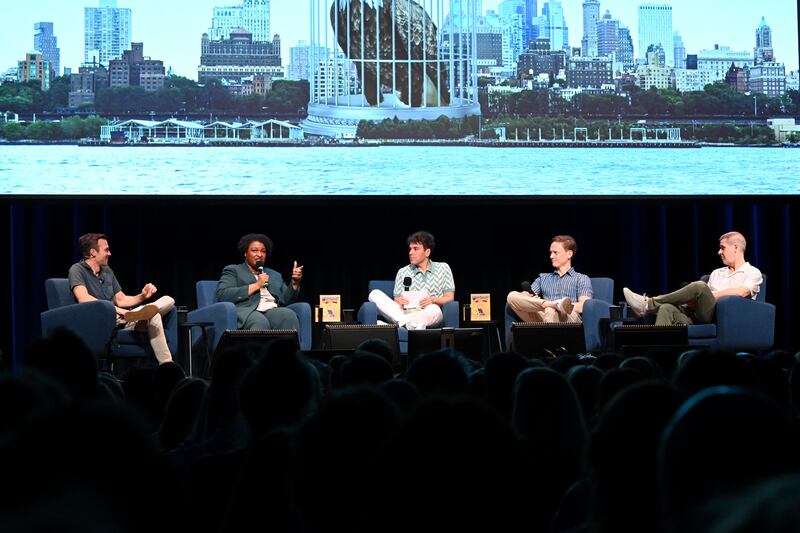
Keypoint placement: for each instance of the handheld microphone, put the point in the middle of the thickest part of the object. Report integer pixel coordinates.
(526, 287)
(260, 268)
(407, 283)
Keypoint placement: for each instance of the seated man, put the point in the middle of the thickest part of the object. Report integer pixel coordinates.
(697, 301)
(259, 293)
(92, 279)
(556, 296)
(429, 282)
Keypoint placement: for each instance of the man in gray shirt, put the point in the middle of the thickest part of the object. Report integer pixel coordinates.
(92, 279)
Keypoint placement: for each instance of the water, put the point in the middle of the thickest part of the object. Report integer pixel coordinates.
(397, 170)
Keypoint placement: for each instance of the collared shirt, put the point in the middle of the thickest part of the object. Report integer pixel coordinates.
(103, 285)
(553, 286)
(267, 300)
(745, 276)
(436, 281)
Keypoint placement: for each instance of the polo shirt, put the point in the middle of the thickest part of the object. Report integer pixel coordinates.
(102, 286)
(436, 281)
(745, 276)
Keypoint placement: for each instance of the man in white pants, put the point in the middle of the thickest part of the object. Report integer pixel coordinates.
(431, 283)
(92, 279)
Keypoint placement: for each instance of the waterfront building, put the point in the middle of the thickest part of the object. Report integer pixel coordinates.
(134, 69)
(655, 73)
(783, 128)
(540, 59)
(655, 28)
(625, 55)
(768, 78)
(719, 60)
(591, 15)
(687, 80)
(107, 32)
(238, 57)
(590, 72)
(86, 83)
(34, 68)
(763, 52)
(45, 41)
(252, 15)
(736, 78)
(300, 60)
(679, 50)
(333, 78)
(553, 25)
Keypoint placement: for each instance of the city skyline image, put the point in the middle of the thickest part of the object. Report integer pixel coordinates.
(172, 32)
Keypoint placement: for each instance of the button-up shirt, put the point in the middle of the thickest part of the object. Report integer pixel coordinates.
(553, 286)
(436, 281)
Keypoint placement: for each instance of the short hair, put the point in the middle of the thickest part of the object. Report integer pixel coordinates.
(245, 241)
(88, 242)
(422, 237)
(734, 237)
(567, 241)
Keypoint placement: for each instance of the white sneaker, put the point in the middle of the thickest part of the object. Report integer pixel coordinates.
(637, 302)
(382, 323)
(564, 306)
(414, 325)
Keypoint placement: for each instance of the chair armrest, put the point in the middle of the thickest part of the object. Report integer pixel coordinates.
(93, 322)
(221, 314)
(450, 312)
(593, 312)
(744, 324)
(368, 313)
(509, 317)
(304, 335)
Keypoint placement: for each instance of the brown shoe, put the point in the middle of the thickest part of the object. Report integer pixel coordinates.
(145, 313)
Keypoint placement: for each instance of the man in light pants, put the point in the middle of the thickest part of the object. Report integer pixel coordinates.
(430, 280)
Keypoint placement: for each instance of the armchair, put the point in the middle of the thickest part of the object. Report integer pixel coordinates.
(740, 324)
(596, 308)
(368, 312)
(95, 324)
(223, 314)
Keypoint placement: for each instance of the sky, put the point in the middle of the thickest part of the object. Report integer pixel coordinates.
(171, 29)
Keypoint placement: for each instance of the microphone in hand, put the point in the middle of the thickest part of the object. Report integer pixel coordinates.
(260, 268)
(526, 287)
(406, 283)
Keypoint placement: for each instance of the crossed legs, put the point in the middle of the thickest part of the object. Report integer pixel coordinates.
(531, 309)
(391, 310)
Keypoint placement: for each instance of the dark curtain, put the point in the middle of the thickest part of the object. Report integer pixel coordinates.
(492, 244)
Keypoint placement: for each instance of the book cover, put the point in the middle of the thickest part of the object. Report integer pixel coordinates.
(480, 307)
(331, 306)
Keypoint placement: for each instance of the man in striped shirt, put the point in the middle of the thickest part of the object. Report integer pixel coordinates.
(556, 296)
(430, 281)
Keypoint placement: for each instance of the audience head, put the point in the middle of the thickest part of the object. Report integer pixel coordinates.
(65, 358)
(501, 371)
(365, 368)
(378, 347)
(698, 369)
(444, 371)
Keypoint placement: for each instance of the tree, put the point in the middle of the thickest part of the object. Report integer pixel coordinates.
(57, 97)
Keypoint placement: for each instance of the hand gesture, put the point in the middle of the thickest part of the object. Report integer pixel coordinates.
(425, 302)
(148, 291)
(297, 272)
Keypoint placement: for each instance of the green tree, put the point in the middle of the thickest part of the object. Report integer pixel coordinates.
(57, 97)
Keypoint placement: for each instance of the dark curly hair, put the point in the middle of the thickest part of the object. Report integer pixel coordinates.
(422, 237)
(245, 241)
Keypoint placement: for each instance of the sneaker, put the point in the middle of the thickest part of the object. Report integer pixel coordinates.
(564, 306)
(414, 325)
(145, 313)
(637, 302)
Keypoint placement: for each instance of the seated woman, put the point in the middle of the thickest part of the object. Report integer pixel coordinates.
(259, 293)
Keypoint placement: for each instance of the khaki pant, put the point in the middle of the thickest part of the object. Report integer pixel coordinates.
(532, 309)
(154, 328)
(694, 303)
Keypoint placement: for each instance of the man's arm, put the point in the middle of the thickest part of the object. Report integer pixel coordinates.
(578, 307)
(83, 296)
(440, 300)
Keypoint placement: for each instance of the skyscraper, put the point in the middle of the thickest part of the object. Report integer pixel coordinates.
(300, 60)
(45, 42)
(106, 31)
(763, 51)
(679, 50)
(591, 14)
(531, 29)
(252, 15)
(655, 28)
(553, 25)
